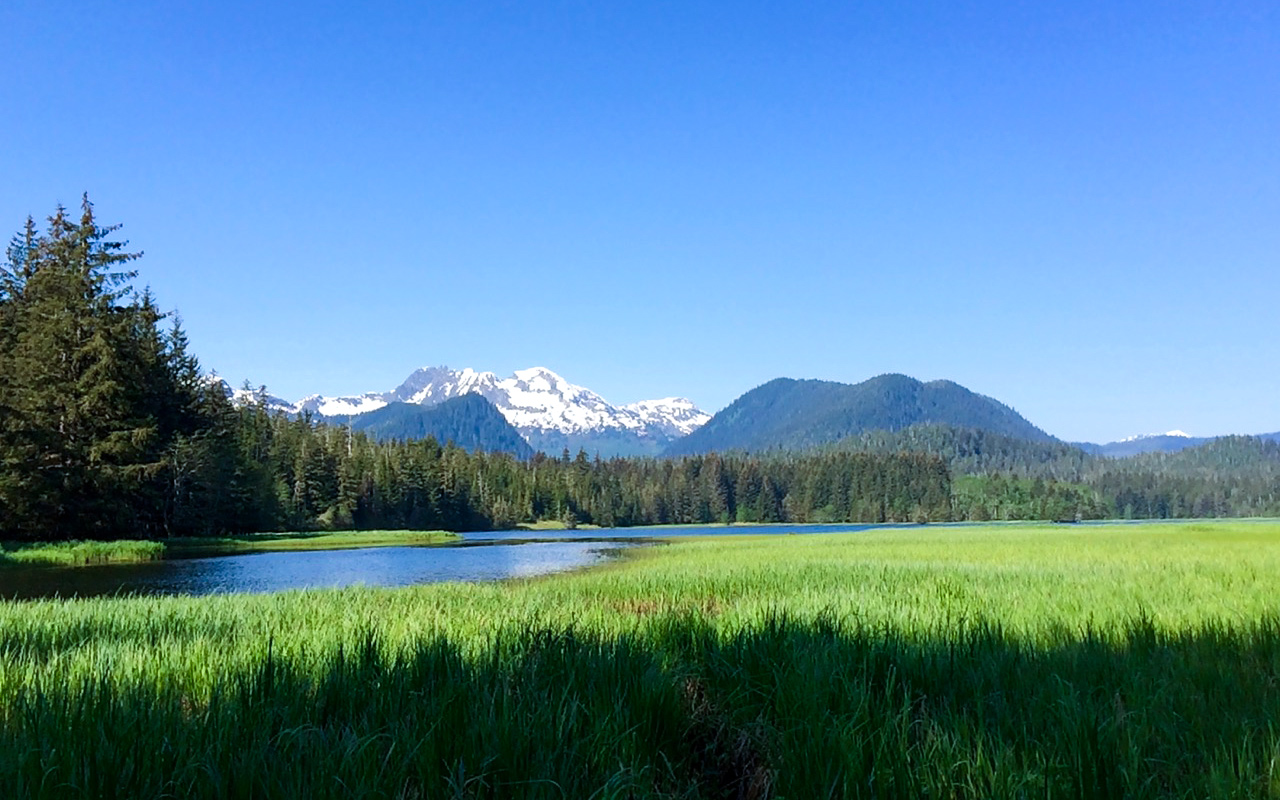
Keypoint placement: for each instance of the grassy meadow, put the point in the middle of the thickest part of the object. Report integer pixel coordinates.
(1051, 661)
(86, 553)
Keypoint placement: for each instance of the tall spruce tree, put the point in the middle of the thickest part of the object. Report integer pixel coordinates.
(93, 394)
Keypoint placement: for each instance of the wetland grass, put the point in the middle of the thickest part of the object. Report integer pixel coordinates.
(78, 553)
(960, 662)
(86, 553)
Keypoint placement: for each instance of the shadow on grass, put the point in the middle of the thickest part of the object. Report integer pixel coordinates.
(678, 710)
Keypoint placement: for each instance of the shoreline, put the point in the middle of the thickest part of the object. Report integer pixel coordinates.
(87, 553)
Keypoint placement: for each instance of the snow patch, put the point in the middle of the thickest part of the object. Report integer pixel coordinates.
(1181, 434)
(349, 406)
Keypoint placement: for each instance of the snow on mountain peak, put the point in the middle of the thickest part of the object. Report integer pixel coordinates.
(534, 400)
(538, 399)
(677, 415)
(1180, 434)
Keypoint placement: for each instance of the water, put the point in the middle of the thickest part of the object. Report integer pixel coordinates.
(487, 556)
(271, 572)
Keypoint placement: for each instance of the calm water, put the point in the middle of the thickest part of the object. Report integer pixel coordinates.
(271, 572)
(488, 556)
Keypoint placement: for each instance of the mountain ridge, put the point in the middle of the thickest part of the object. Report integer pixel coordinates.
(469, 421)
(1170, 442)
(549, 412)
(786, 413)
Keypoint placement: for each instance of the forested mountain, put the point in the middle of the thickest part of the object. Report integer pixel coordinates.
(1000, 477)
(970, 451)
(791, 414)
(469, 421)
(1228, 476)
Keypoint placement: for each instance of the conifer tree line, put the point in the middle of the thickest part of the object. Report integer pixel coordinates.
(1001, 477)
(108, 429)
(298, 474)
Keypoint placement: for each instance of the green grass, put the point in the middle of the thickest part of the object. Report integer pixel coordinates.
(554, 525)
(1054, 661)
(341, 540)
(85, 553)
(77, 554)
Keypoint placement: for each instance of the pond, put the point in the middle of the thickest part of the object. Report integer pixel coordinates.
(486, 556)
(277, 571)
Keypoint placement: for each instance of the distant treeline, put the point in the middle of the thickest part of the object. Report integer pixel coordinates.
(1010, 478)
(108, 429)
(294, 473)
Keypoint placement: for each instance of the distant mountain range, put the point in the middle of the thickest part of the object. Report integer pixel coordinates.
(536, 409)
(549, 413)
(1170, 442)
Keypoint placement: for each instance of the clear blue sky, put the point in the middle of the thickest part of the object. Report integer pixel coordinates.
(1074, 210)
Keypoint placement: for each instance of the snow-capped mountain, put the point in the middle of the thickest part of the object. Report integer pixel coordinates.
(339, 406)
(1179, 434)
(547, 410)
(245, 396)
(677, 416)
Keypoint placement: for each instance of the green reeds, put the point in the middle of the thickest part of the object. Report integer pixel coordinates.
(78, 553)
(923, 663)
(86, 553)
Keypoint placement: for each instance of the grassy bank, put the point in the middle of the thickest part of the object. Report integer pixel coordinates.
(84, 553)
(554, 525)
(77, 554)
(341, 540)
(1054, 662)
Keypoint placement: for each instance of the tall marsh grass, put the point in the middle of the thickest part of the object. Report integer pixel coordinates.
(78, 553)
(85, 553)
(1063, 662)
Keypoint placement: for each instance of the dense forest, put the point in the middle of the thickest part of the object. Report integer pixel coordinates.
(109, 428)
(1002, 477)
(286, 473)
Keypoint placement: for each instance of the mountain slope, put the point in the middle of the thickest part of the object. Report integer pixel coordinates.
(797, 414)
(1220, 458)
(549, 412)
(970, 451)
(469, 421)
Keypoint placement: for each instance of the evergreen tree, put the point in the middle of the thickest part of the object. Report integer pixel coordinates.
(95, 395)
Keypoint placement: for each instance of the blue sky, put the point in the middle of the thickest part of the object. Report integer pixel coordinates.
(1074, 210)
